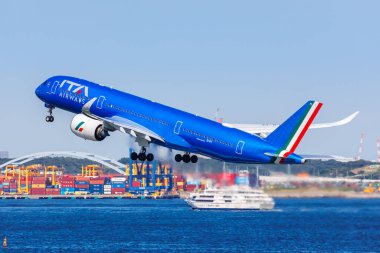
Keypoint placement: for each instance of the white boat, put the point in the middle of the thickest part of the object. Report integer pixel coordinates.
(231, 198)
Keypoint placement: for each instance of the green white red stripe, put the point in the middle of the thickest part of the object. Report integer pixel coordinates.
(78, 127)
(299, 132)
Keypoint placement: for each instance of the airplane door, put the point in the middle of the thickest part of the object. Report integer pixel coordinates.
(239, 147)
(100, 102)
(54, 87)
(177, 127)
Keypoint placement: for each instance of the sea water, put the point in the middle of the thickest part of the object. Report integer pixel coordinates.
(294, 225)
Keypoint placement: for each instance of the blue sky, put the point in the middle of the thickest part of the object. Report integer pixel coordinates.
(258, 61)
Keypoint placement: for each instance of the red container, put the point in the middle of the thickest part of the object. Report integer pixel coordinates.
(40, 191)
(82, 178)
(191, 187)
(83, 186)
(56, 192)
(118, 191)
(38, 180)
(67, 185)
(136, 184)
(97, 181)
(180, 187)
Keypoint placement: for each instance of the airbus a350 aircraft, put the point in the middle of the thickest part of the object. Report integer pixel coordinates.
(100, 110)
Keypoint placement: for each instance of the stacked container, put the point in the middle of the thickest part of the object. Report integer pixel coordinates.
(107, 188)
(118, 185)
(67, 185)
(1, 185)
(82, 185)
(38, 186)
(97, 186)
(6, 189)
(180, 182)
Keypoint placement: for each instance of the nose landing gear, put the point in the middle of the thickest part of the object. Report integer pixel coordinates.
(142, 156)
(50, 117)
(186, 158)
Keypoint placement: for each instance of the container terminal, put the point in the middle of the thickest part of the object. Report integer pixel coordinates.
(156, 180)
(38, 181)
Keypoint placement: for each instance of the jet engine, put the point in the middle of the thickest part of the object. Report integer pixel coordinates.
(88, 128)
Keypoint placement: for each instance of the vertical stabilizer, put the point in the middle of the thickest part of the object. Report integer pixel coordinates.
(290, 133)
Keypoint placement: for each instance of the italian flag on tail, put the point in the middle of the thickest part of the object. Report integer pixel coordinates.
(288, 135)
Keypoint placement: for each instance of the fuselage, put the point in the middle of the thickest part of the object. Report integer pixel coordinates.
(180, 130)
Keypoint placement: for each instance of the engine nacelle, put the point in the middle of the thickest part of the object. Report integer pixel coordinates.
(88, 128)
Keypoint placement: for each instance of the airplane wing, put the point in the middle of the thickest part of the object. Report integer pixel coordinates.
(142, 134)
(264, 129)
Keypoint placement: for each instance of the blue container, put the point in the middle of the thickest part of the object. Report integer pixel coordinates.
(81, 189)
(67, 190)
(96, 185)
(118, 186)
(96, 188)
(242, 180)
(82, 182)
(97, 191)
(1, 186)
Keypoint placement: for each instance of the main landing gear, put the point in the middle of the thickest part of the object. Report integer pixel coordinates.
(50, 117)
(186, 158)
(142, 156)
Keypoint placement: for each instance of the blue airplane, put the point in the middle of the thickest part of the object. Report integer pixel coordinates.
(100, 110)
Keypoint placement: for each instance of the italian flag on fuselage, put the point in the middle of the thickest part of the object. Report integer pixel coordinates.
(78, 127)
(299, 131)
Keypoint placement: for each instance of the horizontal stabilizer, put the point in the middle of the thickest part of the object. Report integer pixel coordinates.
(264, 130)
(328, 157)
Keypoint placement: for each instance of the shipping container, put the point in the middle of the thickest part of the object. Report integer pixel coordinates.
(81, 189)
(136, 184)
(38, 191)
(118, 179)
(82, 182)
(38, 186)
(85, 186)
(118, 186)
(191, 187)
(65, 191)
(118, 191)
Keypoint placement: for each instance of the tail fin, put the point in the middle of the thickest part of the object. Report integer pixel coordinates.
(289, 134)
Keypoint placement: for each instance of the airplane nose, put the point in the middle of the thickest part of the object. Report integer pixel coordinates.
(38, 92)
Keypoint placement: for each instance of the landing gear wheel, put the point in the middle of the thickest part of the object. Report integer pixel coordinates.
(186, 158)
(194, 159)
(49, 119)
(150, 157)
(178, 158)
(142, 157)
(134, 156)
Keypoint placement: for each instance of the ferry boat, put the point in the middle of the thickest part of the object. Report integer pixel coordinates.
(231, 198)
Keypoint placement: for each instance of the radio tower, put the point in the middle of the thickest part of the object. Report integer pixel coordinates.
(360, 151)
(378, 150)
(217, 119)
